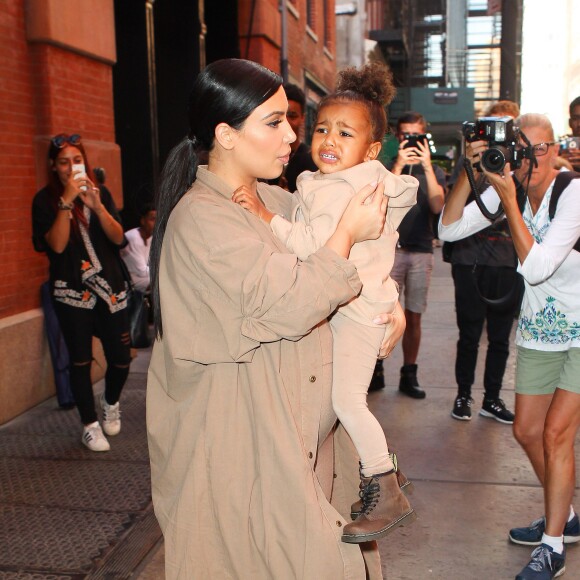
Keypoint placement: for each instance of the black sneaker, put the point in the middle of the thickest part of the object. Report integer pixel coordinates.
(462, 408)
(495, 409)
(544, 565)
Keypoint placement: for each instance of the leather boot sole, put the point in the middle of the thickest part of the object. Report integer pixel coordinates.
(413, 392)
(404, 520)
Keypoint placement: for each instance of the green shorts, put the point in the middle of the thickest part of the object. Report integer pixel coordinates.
(540, 372)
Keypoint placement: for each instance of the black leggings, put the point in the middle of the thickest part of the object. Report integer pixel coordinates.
(78, 326)
(472, 312)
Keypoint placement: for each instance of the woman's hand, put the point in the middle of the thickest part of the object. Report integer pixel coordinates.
(249, 200)
(474, 150)
(504, 185)
(73, 187)
(364, 217)
(92, 197)
(396, 325)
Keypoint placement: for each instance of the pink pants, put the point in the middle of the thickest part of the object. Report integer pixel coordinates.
(355, 352)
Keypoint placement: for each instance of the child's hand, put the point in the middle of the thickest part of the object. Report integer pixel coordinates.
(249, 200)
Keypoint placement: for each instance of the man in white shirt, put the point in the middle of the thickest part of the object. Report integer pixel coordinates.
(136, 252)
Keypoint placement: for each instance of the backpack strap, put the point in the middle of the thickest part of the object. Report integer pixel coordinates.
(563, 180)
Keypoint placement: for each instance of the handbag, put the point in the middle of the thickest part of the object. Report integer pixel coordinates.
(138, 309)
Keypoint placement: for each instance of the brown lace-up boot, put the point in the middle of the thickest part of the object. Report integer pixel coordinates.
(405, 485)
(385, 508)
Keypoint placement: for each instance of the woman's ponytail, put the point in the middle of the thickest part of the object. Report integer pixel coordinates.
(226, 91)
(178, 174)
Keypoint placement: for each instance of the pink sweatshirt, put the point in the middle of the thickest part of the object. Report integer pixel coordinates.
(322, 200)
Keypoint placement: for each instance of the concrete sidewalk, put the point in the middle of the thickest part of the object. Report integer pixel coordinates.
(68, 513)
(472, 481)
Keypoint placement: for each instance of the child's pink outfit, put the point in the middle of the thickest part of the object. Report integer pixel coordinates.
(322, 199)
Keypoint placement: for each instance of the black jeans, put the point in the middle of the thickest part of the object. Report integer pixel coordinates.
(472, 312)
(78, 326)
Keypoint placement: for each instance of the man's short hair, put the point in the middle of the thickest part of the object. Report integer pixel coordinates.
(145, 208)
(411, 117)
(575, 103)
(503, 108)
(295, 93)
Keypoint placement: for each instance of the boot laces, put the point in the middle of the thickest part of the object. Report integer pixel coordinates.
(370, 496)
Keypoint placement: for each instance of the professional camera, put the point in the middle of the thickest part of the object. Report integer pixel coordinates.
(503, 139)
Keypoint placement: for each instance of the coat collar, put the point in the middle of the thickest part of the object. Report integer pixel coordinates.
(212, 181)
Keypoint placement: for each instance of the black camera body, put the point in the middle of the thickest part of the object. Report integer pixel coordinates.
(503, 139)
(413, 139)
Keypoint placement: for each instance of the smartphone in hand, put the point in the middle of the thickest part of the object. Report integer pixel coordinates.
(80, 170)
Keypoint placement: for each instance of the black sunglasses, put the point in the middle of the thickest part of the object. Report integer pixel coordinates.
(62, 140)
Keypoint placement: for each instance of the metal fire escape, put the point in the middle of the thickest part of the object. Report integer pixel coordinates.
(450, 43)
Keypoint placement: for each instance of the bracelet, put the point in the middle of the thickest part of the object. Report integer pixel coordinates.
(63, 205)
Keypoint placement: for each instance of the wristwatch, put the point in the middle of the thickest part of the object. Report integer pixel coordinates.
(63, 205)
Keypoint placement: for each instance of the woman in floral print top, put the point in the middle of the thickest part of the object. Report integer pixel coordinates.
(548, 334)
(78, 227)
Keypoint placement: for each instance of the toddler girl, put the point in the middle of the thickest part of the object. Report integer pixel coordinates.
(347, 139)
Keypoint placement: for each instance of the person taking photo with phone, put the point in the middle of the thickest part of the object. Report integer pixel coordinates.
(414, 254)
(78, 227)
(570, 148)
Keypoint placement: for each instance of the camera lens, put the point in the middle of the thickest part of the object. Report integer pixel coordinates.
(493, 160)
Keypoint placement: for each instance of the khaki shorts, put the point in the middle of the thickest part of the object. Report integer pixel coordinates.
(540, 372)
(412, 272)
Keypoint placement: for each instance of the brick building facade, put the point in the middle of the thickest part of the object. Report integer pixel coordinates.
(70, 66)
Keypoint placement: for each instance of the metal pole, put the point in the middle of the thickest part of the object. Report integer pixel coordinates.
(284, 48)
(511, 50)
(152, 86)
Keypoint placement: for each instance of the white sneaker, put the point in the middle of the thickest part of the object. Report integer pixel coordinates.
(111, 417)
(94, 439)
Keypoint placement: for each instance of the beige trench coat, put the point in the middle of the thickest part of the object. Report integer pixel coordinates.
(251, 479)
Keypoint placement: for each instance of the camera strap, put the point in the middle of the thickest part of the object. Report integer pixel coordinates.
(485, 246)
(477, 194)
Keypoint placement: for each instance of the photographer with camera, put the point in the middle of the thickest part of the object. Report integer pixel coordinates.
(548, 335)
(483, 267)
(414, 255)
(570, 146)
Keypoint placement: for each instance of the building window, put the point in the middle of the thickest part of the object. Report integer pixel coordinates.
(310, 13)
(325, 19)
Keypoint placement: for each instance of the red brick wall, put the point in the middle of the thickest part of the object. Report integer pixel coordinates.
(44, 90)
(73, 93)
(22, 270)
(304, 52)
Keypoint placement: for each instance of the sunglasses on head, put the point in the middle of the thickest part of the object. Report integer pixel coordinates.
(63, 140)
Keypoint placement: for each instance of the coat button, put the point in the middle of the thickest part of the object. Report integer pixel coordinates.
(310, 456)
(312, 379)
(339, 523)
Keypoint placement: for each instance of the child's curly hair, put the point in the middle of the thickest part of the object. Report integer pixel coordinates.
(371, 85)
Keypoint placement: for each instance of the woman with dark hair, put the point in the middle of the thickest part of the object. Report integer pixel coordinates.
(78, 227)
(251, 477)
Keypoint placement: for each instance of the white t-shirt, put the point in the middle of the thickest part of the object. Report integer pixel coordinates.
(550, 316)
(136, 257)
